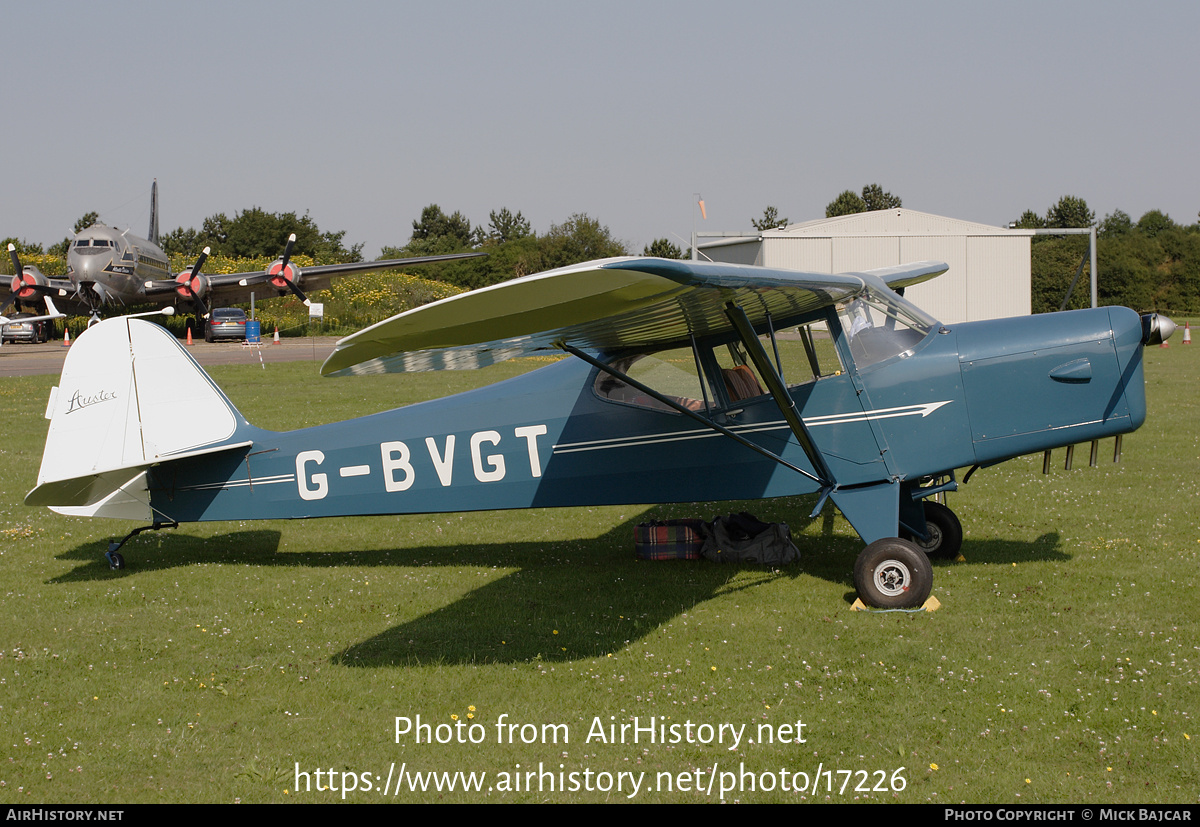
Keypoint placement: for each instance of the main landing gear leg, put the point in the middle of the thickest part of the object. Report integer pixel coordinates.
(113, 555)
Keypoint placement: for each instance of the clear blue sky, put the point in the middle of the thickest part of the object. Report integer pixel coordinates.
(362, 113)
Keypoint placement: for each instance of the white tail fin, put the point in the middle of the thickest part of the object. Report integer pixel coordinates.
(130, 396)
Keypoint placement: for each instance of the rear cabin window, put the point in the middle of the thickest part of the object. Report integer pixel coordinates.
(671, 372)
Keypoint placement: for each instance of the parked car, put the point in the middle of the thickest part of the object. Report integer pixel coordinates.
(225, 323)
(32, 332)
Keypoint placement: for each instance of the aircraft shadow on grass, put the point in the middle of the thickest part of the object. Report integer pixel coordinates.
(569, 599)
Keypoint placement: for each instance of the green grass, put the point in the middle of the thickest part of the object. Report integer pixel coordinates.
(1061, 668)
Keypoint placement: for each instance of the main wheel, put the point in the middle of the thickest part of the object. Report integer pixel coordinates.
(893, 574)
(945, 532)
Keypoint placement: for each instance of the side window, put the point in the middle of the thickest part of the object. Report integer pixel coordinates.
(801, 354)
(738, 375)
(811, 351)
(672, 373)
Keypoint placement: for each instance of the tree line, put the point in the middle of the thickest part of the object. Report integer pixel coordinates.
(1149, 264)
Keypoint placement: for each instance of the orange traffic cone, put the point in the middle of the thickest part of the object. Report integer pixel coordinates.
(189, 339)
(66, 337)
(1187, 333)
(275, 341)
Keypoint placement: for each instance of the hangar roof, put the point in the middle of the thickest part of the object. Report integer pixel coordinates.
(893, 222)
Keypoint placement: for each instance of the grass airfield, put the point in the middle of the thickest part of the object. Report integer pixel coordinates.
(1062, 666)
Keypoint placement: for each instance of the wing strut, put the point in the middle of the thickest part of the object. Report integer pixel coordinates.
(783, 399)
(675, 406)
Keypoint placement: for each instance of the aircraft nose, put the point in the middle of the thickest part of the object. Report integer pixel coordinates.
(1156, 329)
(91, 266)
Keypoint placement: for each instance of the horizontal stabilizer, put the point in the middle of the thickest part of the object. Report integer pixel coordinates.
(91, 488)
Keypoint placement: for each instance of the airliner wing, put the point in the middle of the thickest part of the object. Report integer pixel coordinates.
(610, 304)
(235, 288)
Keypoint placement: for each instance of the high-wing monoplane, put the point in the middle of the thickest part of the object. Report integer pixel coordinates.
(686, 381)
(107, 266)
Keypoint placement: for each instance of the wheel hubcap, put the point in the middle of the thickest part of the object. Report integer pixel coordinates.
(935, 538)
(892, 578)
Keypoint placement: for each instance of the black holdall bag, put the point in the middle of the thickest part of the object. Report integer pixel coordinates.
(743, 538)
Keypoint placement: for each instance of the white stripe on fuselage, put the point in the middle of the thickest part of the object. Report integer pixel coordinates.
(922, 410)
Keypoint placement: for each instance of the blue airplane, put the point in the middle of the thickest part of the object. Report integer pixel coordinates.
(686, 381)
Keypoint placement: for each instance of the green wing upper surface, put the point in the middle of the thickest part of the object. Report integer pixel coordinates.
(609, 304)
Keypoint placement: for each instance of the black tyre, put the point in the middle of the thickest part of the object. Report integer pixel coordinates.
(945, 532)
(893, 574)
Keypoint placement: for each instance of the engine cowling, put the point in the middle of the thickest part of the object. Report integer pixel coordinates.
(199, 284)
(279, 275)
(23, 285)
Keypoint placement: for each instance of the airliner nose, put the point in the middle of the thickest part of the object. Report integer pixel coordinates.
(90, 266)
(1156, 329)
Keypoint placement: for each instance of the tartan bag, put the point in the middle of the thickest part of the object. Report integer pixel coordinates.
(669, 540)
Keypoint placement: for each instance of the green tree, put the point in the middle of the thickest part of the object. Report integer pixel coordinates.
(86, 220)
(504, 226)
(436, 233)
(1030, 220)
(1069, 213)
(82, 223)
(874, 198)
(181, 242)
(847, 203)
(1115, 223)
(579, 238)
(256, 232)
(663, 248)
(1154, 223)
(770, 220)
(24, 248)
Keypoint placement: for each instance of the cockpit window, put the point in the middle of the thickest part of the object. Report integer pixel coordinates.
(878, 326)
(671, 373)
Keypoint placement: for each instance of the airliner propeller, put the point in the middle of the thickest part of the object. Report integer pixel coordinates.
(281, 274)
(193, 285)
(24, 285)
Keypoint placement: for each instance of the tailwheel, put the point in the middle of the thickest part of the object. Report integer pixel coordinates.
(944, 529)
(113, 555)
(893, 574)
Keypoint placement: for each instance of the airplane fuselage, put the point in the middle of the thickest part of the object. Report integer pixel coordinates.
(115, 265)
(976, 394)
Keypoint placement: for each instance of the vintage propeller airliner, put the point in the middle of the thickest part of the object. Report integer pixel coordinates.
(687, 381)
(107, 266)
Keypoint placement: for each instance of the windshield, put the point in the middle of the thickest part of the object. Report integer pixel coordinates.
(879, 325)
